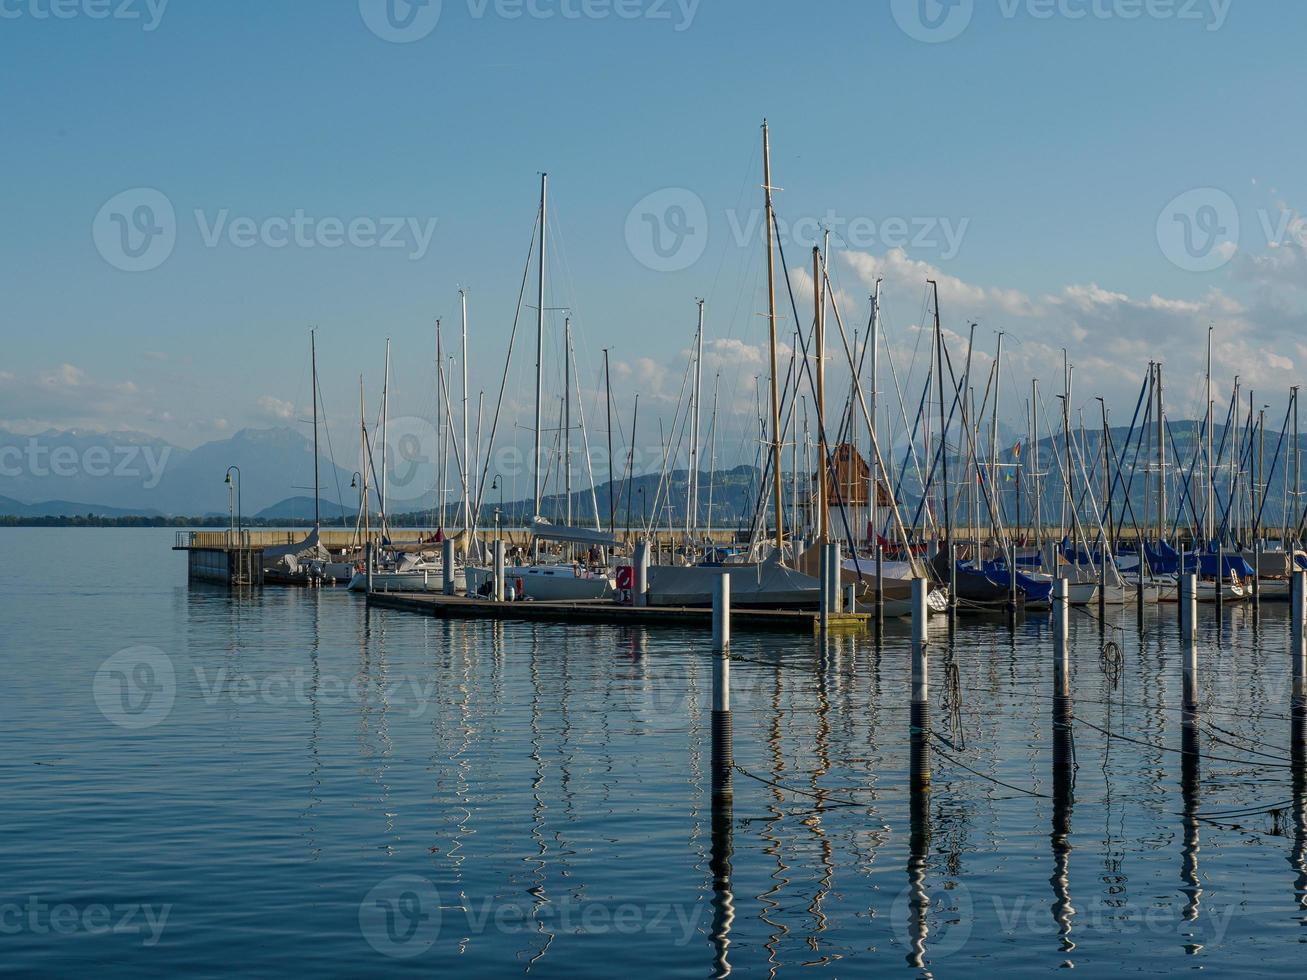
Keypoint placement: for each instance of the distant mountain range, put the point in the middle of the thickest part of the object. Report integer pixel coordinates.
(59, 473)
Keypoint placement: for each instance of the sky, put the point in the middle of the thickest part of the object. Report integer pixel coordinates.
(189, 187)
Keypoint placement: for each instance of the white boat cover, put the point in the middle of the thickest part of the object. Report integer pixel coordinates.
(542, 529)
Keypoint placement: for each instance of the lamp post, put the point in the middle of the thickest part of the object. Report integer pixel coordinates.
(499, 511)
(356, 484)
(236, 525)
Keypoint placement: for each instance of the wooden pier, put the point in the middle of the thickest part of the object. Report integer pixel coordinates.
(604, 612)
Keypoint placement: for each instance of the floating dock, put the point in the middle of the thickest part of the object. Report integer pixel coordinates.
(604, 612)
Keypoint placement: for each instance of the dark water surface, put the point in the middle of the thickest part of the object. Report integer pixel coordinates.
(198, 783)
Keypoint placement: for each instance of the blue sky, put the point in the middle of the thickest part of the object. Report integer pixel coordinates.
(1048, 138)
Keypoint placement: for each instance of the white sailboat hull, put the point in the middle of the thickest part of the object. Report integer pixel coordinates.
(545, 583)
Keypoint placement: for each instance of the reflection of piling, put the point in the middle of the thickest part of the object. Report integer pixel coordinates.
(1190, 779)
(499, 571)
(1063, 800)
(918, 855)
(1064, 763)
(723, 763)
(1298, 755)
(447, 565)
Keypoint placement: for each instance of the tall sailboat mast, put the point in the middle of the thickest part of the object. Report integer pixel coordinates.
(608, 404)
(317, 493)
(818, 306)
(567, 415)
(777, 503)
(1211, 476)
(467, 456)
(873, 496)
(385, 424)
(1161, 460)
(441, 425)
(692, 514)
(540, 337)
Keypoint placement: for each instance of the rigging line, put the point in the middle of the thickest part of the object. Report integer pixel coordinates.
(975, 772)
(799, 792)
(1167, 748)
(331, 454)
(503, 382)
(1242, 748)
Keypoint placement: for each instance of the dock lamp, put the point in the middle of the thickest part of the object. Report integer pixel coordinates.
(228, 480)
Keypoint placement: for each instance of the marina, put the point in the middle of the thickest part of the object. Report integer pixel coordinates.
(624, 487)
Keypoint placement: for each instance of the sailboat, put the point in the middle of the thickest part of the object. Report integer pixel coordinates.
(541, 580)
(308, 557)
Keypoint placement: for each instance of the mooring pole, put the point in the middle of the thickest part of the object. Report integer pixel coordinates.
(641, 597)
(1102, 587)
(367, 557)
(920, 721)
(1297, 643)
(447, 564)
(880, 589)
(1220, 584)
(1061, 627)
(721, 617)
(1189, 638)
(498, 589)
(1139, 596)
(836, 578)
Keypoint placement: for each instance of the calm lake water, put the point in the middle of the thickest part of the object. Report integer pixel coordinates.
(199, 783)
